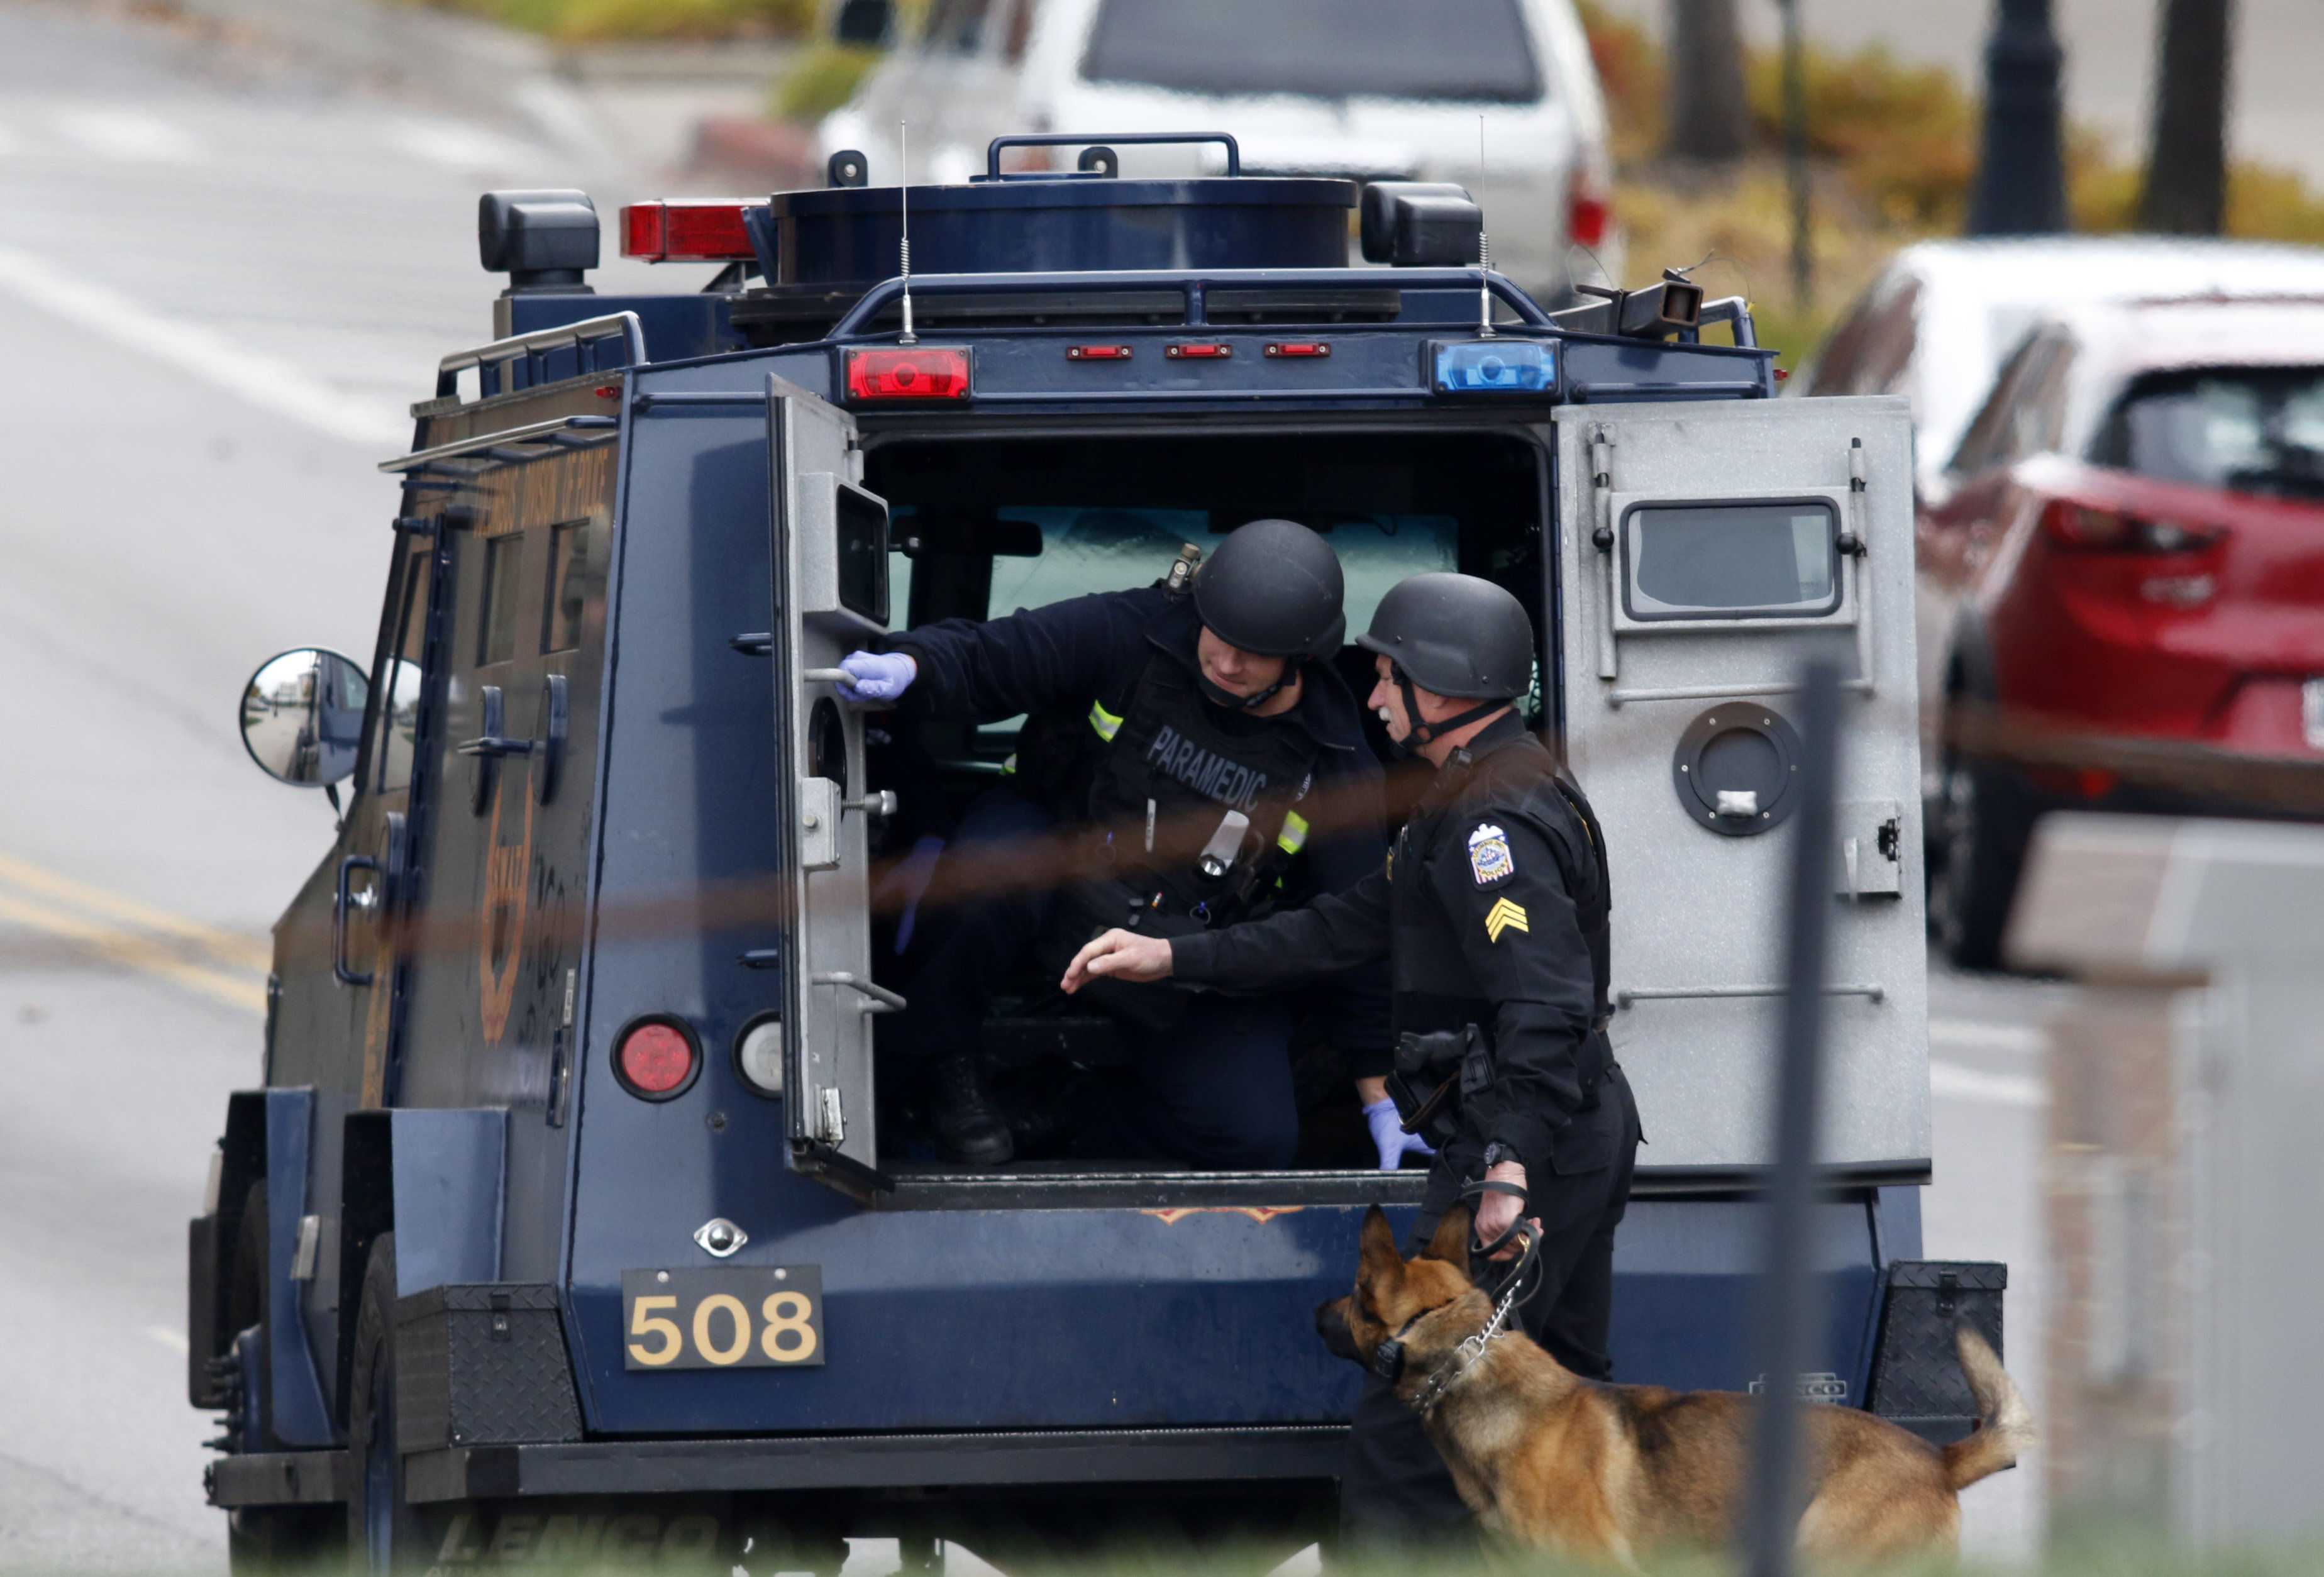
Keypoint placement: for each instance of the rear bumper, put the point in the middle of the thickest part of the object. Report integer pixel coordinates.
(844, 1461)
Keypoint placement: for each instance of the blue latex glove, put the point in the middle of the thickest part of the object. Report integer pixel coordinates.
(910, 880)
(880, 676)
(1388, 1133)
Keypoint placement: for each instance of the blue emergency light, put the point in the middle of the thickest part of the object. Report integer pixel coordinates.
(1495, 366)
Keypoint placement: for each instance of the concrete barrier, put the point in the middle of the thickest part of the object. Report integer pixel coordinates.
(2186, 1177)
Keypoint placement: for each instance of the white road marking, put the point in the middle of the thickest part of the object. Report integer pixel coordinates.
(130, 136)
(1957, 1082)
(175, 1340)
(263, 380)
(2019, 1038)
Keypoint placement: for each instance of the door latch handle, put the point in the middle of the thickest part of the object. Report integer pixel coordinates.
(342, 901)
(878, 999)
(549, 750)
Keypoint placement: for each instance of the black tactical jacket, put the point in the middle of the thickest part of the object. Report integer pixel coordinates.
(1493, 910)
(1080, 664)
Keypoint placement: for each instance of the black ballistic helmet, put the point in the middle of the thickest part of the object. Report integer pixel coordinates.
(1273, 588)
(1456, 635)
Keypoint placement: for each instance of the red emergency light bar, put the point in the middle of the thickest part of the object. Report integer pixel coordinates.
(1097, 353)
(1198, 353)
(923, 372)
(687, 230)
(1298, 347)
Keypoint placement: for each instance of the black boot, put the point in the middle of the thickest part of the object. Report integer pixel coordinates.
(969, 1128)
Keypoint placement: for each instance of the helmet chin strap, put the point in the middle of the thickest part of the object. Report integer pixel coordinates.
(1418, 734)
(1220, 695)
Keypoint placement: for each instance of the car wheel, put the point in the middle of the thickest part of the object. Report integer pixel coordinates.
(280, 1541)
(1986, 822)
(384, 1533)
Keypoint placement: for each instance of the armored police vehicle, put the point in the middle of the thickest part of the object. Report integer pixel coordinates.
(571, 1220)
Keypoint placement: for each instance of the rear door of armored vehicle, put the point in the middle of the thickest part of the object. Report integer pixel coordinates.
(499, 859)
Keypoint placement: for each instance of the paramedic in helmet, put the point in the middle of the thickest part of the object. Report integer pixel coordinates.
(1492, 914)
(1205, 763)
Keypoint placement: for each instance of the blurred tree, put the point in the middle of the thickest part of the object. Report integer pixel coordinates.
(2186, 191)
(1709, 116)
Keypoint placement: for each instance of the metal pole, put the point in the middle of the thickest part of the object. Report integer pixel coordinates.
(1790, 1316)
(2021, 181)
(1795, 152)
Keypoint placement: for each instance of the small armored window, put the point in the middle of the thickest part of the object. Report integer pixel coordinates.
(399, 709)
(567, 585)
(504, 567)
(1743, 560)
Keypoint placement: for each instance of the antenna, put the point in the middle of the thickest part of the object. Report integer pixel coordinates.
(904, 197)
(1484, 247)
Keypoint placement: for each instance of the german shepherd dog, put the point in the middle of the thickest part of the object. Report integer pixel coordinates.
(1608, 1473)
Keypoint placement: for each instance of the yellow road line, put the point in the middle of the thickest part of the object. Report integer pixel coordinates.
(226, 946)
(137, 952)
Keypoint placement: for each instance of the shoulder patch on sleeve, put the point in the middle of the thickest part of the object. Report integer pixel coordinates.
(1505, 916)
(1490, 860)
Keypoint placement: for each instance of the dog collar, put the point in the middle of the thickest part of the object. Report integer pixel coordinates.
(1440, 1380)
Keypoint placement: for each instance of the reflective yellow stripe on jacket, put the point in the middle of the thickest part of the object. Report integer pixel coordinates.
(1106, 724)
(1294, 832)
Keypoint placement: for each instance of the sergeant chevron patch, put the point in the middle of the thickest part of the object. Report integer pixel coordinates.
(1505, 915)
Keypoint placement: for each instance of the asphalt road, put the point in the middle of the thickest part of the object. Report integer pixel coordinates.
(219, 281)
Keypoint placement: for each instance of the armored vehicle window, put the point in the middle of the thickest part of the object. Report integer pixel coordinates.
(862, 554)
(567, 584)
(1085, 551)
(503, 567)
(1731, 560)
(1473, 50)
(397, 742)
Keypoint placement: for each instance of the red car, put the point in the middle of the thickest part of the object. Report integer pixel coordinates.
(2131, 539)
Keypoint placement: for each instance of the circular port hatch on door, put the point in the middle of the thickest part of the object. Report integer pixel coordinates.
(1737, 769)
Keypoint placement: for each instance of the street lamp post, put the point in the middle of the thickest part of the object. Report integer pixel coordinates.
(2021, 187)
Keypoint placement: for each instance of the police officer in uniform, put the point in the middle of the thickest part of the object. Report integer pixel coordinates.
(1206, 764)
(1492, 910)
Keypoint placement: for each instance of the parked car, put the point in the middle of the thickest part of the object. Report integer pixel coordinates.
(2129, 542)
(1937, 323)
(1373, 89)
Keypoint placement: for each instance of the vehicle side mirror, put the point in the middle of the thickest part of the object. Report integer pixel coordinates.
(863, 23)
(303, 716)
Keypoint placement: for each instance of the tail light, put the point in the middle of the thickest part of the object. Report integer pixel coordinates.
(1586, 215)
(2080, 525)
(923, 372)
(656, 1058)
(687, 230)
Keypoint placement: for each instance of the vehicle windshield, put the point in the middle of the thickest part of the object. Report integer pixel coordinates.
(1472, 50)
(2250, 429)
(1085, 551)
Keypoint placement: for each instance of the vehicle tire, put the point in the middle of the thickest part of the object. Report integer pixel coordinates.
(272, 1541)
(384, 1532)
(1986, 820)
(246, 1315)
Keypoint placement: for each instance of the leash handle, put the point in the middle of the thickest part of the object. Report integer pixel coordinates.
(1495, 1186)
